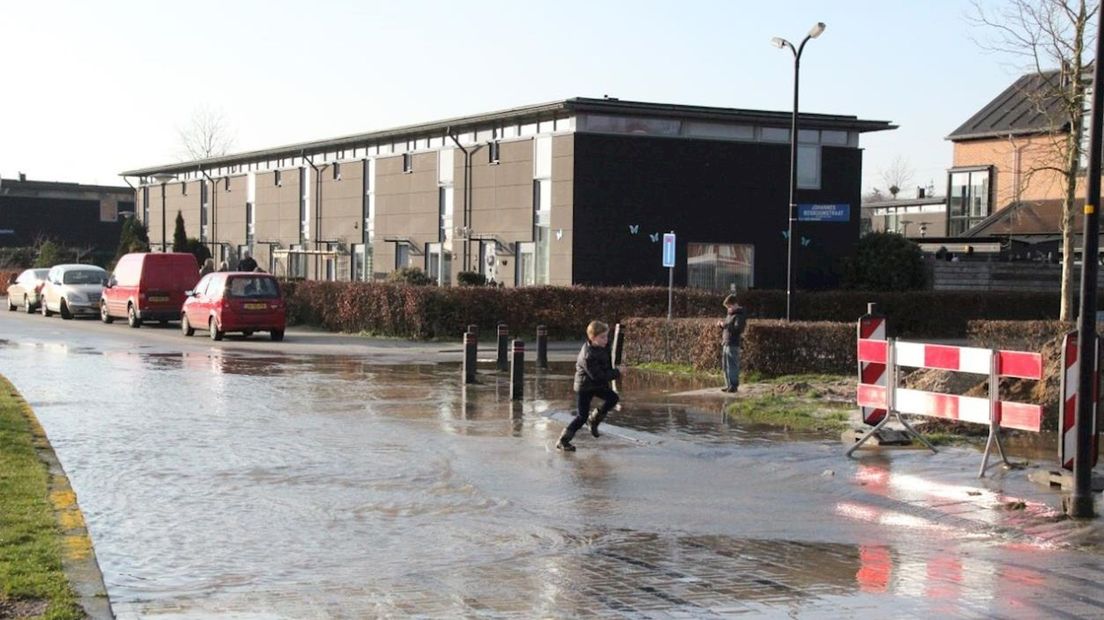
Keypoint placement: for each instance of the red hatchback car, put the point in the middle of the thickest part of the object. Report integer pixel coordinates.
(243, 302)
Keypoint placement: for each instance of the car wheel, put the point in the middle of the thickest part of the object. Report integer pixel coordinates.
(11, 306)
(65, 314)
(185, 326)
(277, 335)
(212, 326)
(104, 315)
(132, 317)
(45, 310)
(27, 307)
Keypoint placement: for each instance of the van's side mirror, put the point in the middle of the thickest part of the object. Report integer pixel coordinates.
(11, 278)
(189, 293)
(110, 283)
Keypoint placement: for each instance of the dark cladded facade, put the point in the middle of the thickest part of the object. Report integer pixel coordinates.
(71, 214)
(578, 191)
(706, 192)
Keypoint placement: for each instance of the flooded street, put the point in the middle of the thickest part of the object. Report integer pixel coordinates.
(255, 482)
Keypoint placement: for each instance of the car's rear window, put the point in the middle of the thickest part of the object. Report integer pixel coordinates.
(83, 276)
(253, 287)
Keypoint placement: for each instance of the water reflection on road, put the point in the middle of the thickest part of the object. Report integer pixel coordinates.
(308, 486)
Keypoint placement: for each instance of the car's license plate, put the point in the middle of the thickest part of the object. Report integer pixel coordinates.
(255, 306)
(158, 298)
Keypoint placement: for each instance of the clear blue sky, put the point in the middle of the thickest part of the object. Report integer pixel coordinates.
(93, 88)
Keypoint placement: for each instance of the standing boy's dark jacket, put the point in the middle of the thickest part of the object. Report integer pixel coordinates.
(593, 368)
(733, 328)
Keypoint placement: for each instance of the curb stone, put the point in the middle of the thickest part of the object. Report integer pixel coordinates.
(78, 558)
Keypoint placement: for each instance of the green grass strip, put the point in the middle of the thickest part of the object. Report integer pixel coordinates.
(30, 537)
(790, 412)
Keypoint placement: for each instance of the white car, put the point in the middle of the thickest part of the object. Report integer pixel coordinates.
(73, 290)
(26, 288)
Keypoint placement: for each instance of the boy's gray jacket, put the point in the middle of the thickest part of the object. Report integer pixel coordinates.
(593, 368)
(733, 327)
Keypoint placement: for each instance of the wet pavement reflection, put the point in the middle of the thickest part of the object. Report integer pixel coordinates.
(267, 485)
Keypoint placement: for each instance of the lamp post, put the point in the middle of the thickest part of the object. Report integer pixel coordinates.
(163, 178)
(779, 42)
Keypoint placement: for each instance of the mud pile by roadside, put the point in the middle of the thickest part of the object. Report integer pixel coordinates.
(1046, 392)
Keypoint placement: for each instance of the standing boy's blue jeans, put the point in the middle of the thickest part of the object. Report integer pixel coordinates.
(731, 363)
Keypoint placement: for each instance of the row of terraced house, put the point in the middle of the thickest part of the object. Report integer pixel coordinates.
(577, 191)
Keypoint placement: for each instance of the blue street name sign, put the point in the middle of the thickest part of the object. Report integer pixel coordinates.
(669, 249)
(824, 213)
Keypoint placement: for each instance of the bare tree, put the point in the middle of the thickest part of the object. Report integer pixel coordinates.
(207, 134)
(1050, 38)
(897, 175)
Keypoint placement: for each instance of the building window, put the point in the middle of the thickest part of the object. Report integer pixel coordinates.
(304, 192)
(439, 264)
(184, 188)
(444, 213)
(297, 262)
(337, 171)
(203, 191)
(367, 203)
(145, 206)
(330, 263)
(362, 262)
(408, 163)
(402, 255)
(542, 233)
(968, 199)
(720, 267)
(492, 152)
(808, 166)
(277, 178)
(526, 264)
(226, 184)
(445, 166)
(250, 223)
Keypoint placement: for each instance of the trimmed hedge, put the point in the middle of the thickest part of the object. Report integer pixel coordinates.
(770, 347)
(1017, 335)
(445, 312)
(912, 314)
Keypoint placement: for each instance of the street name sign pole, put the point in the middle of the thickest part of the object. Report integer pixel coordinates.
(669, 263)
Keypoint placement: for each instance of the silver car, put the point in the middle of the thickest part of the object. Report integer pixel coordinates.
(24, 290)
(73, 290)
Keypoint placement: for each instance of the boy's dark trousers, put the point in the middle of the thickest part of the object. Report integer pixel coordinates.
(582, 410)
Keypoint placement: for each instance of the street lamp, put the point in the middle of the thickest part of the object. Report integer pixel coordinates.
(163, 178)
(779, 42)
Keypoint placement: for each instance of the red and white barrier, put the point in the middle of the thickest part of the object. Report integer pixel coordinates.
(992, 411)
(1067, 422)
(872, 327)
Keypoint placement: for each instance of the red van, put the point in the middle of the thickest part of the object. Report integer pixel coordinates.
(148, 287)
(236, 301)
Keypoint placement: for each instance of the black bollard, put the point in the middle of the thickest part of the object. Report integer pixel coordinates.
(471, 347)
(517, 371)
(503, 342)
(542, 346)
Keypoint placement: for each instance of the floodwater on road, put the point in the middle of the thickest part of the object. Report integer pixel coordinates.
(251, 484)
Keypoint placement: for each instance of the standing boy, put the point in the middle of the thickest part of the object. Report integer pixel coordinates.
(593, 373)
(732, 331)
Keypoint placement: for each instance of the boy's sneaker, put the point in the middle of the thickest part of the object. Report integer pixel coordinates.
(565, 446)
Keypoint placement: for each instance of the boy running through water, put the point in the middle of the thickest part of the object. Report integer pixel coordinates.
(593, 372)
